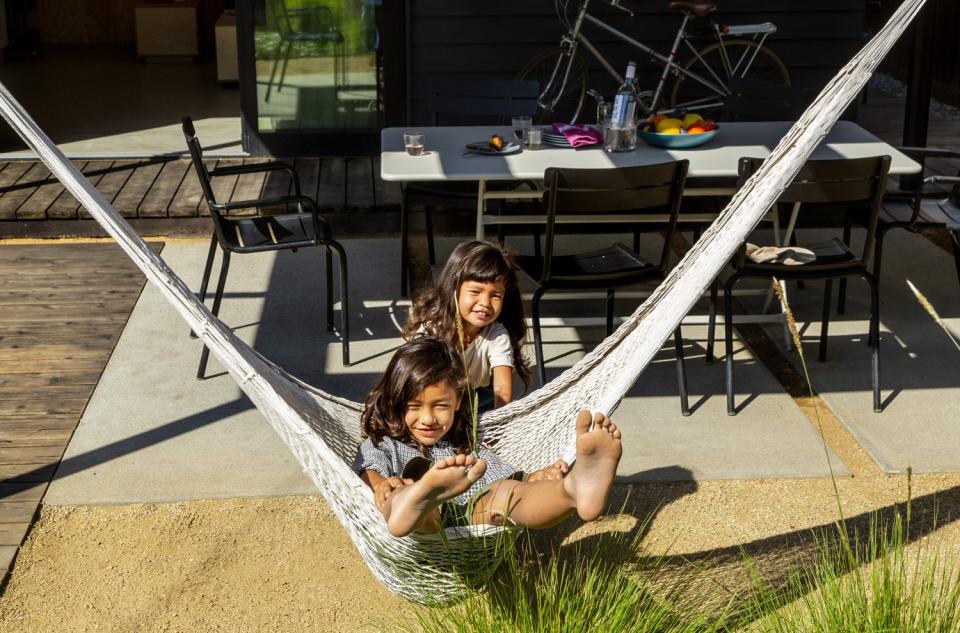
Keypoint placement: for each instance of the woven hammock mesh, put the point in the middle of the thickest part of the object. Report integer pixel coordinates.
(323, 431)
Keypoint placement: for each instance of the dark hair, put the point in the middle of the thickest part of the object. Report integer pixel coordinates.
(414, 367)
(435, 310)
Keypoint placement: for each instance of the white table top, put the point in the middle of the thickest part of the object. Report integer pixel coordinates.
(718, 158)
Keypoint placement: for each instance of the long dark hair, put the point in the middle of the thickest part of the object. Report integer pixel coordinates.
(435, 310)
(414, 367)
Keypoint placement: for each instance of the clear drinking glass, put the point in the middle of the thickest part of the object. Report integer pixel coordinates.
(619, 138)
(533, 138)
(413, 142)
(520, 124)
(604, 112)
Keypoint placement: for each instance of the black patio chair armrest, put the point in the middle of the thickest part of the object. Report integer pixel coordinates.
(267, 202)
(274, 165)
(947, 180)
(929, 152)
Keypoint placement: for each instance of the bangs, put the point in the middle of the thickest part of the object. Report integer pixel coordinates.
(489, 266)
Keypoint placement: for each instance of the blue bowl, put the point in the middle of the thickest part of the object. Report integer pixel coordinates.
(676, 141)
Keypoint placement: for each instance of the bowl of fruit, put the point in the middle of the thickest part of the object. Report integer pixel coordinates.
(677, 133)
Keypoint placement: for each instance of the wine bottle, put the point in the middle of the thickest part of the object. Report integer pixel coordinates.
(625, 103)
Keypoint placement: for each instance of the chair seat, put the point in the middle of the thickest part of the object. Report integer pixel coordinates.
(293, 230)
(933, 213)
(614, 264)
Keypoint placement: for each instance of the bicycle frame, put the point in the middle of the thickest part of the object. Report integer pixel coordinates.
(575, 38)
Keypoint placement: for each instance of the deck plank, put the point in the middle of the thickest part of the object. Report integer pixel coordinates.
(189, 197)
(35, 207)
(66, 207)
(157, 200)
(249, 186)
(129, 198)
(14, 173)
(222, 186)
(112, 181)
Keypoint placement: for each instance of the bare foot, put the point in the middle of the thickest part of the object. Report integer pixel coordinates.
(598, 453)
(445, 480)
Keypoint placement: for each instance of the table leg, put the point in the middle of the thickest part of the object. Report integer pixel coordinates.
(481, 207)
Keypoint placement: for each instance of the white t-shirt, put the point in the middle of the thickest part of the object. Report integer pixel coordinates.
(490, 349)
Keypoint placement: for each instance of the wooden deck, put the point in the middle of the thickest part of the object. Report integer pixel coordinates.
(62, 312)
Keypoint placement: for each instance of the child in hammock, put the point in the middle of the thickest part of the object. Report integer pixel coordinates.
(417, 458)
(478, 282)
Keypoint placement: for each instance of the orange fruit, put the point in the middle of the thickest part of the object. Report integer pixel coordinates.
(696, 129)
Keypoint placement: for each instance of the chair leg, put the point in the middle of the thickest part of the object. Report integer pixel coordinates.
(428, 222)
(537, 337)
(610, 298)
(283, 69)
(207, 268)
(218, 297)
(825, 320)
(877, 260)
(875, 338)
(328, 276)
(501, 236)
(681, 372)
(344, 301)
(404, 246)
(373, 180)
(955, 243)
(728, 340)
(842, 293)
(346, 181)
(273, 71)
(712, 320)
(636, 241)
(537, 249)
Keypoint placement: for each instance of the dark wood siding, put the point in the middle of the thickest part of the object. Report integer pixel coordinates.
(495, 39)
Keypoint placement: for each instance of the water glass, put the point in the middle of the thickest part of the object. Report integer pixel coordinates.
(604, 112)
(619, 138)
(533, 138)
(520, 125)
(413, 142)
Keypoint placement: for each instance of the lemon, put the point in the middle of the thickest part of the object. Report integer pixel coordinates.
(690, 118)
(667, 124)
(670, 130)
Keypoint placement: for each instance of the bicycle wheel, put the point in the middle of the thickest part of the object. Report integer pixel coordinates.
(569, 106)
(711, 65)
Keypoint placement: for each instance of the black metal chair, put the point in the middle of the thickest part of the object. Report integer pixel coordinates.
(262, 233)
(617, 194)
(850, 186)
(460, 103)
(312, 24)
(930, 206)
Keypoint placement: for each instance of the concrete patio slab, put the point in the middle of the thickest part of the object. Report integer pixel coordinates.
(919, 367)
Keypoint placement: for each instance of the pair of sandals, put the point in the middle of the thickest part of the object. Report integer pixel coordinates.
(787, 255)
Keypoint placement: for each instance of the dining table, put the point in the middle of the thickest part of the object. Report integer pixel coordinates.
(713, 166)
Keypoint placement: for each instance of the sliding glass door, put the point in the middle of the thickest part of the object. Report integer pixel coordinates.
(312, 75)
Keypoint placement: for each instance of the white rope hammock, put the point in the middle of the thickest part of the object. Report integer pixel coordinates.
(323, 431)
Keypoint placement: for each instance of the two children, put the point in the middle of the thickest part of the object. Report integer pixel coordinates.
(417, 456)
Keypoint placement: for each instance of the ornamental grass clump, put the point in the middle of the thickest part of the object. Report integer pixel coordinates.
(580, 588)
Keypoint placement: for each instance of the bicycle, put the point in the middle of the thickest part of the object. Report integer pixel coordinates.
(702, 82)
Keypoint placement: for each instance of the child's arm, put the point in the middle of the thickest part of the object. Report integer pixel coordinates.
(382, 487)
(502, 385)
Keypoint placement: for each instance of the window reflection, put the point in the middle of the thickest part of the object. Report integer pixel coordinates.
(317, 64)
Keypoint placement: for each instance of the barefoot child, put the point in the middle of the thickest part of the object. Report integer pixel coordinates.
(478, 282)
(417, 458)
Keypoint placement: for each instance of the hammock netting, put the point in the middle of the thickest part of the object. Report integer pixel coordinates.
(323, 431)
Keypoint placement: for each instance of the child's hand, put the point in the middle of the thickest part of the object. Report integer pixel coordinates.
(557, 470)
(386, 487)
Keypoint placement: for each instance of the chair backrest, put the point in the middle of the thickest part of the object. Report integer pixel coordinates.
(460, 101)
(617, 193)
(196, 157)
(312, 18)
(846, 181)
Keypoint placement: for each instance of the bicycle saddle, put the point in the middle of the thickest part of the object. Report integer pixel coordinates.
(698, 9)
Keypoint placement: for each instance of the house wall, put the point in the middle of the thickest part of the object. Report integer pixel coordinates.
(494, 39)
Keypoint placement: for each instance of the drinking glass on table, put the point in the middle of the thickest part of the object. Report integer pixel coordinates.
(532, 138)
(413, 142)
(520, 125)
(619, 137)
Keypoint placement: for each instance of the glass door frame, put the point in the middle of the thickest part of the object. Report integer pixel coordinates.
(323, 142)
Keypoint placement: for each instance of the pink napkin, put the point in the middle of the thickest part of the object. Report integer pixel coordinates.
(579, 135)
